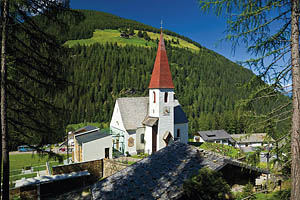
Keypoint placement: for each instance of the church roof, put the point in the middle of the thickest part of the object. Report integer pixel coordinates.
(133, 111)
(179, 115)
(161, 75)
(162, 174)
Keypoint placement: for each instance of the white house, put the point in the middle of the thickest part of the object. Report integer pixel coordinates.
(92, 145)
(150, 123)
(252, 140)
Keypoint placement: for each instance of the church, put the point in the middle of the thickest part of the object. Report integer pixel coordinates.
(148, 124)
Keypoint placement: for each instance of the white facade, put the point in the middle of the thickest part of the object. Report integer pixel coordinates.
(116, 120)
(164, 110)
(95, 149)
(148, 139)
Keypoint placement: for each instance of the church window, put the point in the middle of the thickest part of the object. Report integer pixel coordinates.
(178, 133)
(166, 97)
(154, 97)
(142, 138)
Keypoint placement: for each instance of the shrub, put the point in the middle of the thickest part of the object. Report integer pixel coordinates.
(207, 185)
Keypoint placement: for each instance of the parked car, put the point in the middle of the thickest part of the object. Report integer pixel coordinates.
(24, 148)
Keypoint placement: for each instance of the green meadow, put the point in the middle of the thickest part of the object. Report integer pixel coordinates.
(23, 160)
(113, 36)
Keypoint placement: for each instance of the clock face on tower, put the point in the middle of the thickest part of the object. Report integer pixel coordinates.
(166, 110)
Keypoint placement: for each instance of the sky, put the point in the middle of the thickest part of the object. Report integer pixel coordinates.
(181, 16)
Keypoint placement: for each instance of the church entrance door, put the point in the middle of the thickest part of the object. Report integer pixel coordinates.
(154, 138)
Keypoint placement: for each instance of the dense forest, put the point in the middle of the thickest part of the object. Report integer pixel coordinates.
(208, 85)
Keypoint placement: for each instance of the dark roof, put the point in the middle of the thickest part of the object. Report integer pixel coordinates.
(85, 129)
(179, 115)
(160, 175)
(214, 135)
(90, 136)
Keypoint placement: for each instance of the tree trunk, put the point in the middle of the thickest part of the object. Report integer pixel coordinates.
(4, 131)
(295, 147)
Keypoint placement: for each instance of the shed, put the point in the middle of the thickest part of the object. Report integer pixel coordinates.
(92, 145)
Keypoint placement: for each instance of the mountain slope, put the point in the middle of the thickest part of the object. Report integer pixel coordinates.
(112, 36)
(206, 83)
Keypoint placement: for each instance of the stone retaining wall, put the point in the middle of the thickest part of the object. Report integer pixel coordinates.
(111, 166)
(94, 167)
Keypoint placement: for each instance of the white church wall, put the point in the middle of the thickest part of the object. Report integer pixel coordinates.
(140, 147)
(184, 137)
(116, 120)
(130, 135)
(166, 119)
(154, 107)
(148, 139)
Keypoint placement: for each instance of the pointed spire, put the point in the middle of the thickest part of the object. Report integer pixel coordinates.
(161, 74)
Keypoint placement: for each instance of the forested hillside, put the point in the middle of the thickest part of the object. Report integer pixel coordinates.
(207, 85)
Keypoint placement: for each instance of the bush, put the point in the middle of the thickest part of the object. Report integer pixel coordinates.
(207, 185)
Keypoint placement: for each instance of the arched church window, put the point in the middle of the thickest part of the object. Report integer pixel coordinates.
(142, 138)
(166, 97)
(154, 97)
(178, 133)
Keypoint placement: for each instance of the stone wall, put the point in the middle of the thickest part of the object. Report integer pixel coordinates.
(111, 166)
(94, 167)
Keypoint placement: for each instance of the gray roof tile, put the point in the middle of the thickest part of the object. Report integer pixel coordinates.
(250, 138)
(90, 136)
(133, 111)
(162, 174)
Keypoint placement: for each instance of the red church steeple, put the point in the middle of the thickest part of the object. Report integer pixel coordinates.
(161, 74)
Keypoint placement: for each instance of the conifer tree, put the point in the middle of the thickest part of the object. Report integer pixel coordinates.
(253, 22)
(31, 69)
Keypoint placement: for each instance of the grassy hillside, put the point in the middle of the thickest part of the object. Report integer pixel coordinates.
(112, 36)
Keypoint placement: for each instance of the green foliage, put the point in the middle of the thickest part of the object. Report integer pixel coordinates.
(73, 127)
(222, 149)
(248, 191)
(140, 155)
(207, 185)
(278, 195)
(253, 158)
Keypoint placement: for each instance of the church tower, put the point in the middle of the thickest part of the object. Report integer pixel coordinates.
(161, 101)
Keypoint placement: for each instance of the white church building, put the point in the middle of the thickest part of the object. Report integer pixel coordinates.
(147, 124)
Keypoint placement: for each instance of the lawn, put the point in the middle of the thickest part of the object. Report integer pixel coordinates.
(23, 160)
(112, 36)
